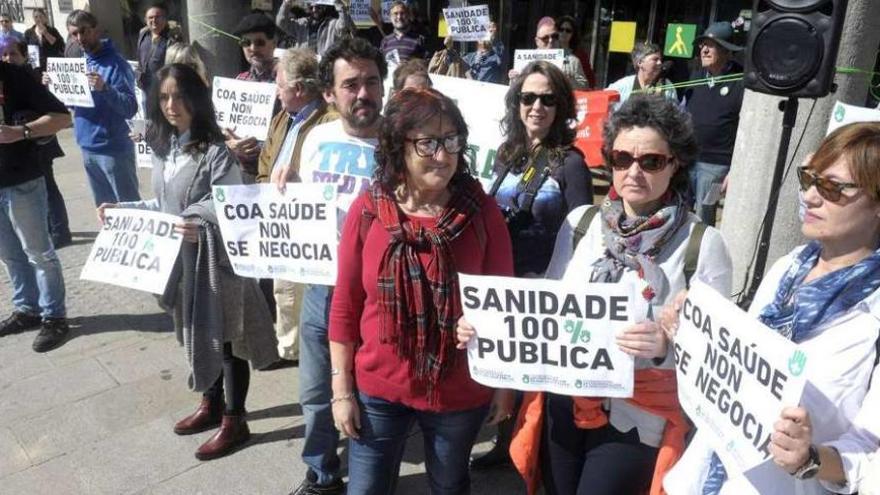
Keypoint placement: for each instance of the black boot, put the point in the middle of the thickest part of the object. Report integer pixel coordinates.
(500, 453)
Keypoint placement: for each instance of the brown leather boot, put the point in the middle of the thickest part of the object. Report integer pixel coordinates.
(207, 416)
(232, 434)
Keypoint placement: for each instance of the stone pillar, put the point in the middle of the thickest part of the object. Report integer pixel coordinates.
(221, 54)
(757, 143)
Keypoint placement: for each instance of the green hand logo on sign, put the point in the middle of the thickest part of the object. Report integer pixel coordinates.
(839, 113)
(221, 194)
(525, 378)
(796, 363)
(328, 191)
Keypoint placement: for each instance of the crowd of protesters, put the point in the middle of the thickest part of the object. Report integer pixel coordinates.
(383, 349)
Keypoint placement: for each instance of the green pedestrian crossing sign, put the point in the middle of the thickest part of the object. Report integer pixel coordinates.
(680, 40)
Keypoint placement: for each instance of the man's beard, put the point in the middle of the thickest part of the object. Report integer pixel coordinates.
(362, 122)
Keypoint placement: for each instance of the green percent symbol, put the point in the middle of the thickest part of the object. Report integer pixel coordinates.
(577, 331)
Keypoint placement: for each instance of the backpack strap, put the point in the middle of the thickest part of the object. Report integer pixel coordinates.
(692, 252)
(583, 226)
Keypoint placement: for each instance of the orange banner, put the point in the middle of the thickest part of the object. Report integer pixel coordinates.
(593, 108)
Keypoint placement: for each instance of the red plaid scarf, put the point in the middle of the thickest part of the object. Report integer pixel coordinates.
(419, 305)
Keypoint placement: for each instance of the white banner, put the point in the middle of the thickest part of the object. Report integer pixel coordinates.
(139, 95)
(735, 376)
(522, 58)
(135, 249)
(34, 56)
(244, 106)
(386, 10)
(547, 335)
(360, 12)
(68, 81)
(482, 106)
(844, 114)
(322, 2)
(270, 235)
(468, 23)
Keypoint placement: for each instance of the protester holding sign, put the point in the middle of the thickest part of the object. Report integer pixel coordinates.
(642, 235)
(570, 40)
(647, 59)
(393, 314)
(45, 36)
(539, 178)
(824, 296)
(231, 323)
(547, 38)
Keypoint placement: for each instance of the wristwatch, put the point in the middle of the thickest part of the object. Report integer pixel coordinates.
(811, 467)
(27, 131)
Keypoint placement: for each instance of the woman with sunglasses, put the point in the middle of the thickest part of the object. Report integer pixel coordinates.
(539, 178)
(393, 314)
(570, 41)
(641, 236)
(189, 158)
(824, 296)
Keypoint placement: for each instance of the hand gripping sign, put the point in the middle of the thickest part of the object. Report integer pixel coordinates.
(244, 106)
(735, 376)
(135, 249)
(547, 335)
(270, 235)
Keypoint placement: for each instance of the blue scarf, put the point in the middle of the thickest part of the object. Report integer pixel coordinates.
(799, 308)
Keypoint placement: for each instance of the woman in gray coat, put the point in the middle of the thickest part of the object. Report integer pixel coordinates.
(189, 158)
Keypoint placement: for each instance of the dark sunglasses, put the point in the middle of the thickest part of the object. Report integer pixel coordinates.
(427, 147)
(529, 99)
(649, 162)
(244, 43)
(566, 30)
(547, 38)
(829, 189)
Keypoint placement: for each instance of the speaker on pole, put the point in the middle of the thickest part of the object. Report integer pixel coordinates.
(792, 47)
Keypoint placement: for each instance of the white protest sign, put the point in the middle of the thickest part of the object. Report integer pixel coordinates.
(270, 235)
(844, 114)
(69, 82)
(139, 94)
(468, 23)
(244, 106)
(34, 56)
(143, 152)
(547, 335)
(735, 376)
(135, 249)
(359, 10)
(386, 10)
(482, 106)
(321, 2)
(522, 58)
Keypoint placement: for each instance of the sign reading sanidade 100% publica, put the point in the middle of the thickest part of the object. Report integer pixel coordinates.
(547, 335)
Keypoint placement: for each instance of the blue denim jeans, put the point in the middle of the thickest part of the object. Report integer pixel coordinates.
(27, 252)
(113, 177)
(321, 438)
(374, 458)
(702, 176)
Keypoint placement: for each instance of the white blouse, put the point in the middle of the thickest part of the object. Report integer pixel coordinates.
(713, 268)
(843, 412)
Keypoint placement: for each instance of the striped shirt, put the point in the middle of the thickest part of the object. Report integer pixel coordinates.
(410, 45)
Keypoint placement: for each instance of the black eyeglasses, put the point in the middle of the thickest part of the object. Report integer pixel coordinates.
(529, 99)
(427, 147)
(258, 43)
(547, 38)
(649, 162)
(829, 189)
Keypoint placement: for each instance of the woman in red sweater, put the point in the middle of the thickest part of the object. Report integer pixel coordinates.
(392, 319)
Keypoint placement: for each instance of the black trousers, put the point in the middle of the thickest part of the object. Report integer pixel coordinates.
(235, 379)
(601, 461)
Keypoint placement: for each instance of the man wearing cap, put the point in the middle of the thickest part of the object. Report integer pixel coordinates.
(714, 108)
(256, 34)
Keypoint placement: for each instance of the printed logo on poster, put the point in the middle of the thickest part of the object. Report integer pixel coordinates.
(548, 335)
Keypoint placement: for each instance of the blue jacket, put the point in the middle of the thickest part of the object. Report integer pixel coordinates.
(102, 129)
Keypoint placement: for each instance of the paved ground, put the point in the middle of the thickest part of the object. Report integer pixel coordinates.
(95, 416)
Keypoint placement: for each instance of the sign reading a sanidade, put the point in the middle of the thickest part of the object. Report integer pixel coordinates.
(291, 236)
(244, 106)
(844, 114)
(69, 82)
(467, 23)
(547, 335)
(135, 249)
(522, 58)
(735, 376)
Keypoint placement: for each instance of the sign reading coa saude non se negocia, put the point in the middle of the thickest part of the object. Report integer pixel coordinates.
(547, 335)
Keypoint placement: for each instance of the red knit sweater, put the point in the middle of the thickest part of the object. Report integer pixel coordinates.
(379, 371)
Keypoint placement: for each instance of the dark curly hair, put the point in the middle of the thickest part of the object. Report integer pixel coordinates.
(516, 145)
(409, 109)
(349, 49)
(663, 116)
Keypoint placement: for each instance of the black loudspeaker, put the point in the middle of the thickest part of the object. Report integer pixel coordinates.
(792, 46)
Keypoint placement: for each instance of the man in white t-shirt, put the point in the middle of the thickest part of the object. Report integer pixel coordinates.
(339, 152)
